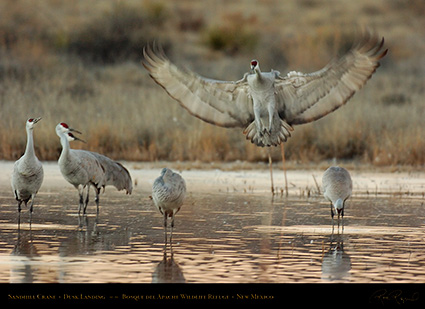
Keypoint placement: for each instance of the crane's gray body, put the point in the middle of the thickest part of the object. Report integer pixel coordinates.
(337, 188)
(168, 193)
(27, 175)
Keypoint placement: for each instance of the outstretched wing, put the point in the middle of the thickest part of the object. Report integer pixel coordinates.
(226, 104)
(307, 97)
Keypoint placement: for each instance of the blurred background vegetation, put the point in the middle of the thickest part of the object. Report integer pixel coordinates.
(80, 62)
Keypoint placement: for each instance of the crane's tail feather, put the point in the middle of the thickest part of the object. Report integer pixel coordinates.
(115, 174)
(273, 138)
(121, 179)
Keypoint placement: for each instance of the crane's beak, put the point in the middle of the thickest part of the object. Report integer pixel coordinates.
(74, 130)
(36, 120)
(79, 139)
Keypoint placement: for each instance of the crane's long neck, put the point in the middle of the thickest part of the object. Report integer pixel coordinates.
(29, 150)
(257, 72)
(65, 147)
(339, 205)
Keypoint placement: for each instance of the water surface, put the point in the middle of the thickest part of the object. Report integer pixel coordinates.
(230, 237)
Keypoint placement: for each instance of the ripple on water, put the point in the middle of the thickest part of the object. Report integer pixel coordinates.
(285, 240)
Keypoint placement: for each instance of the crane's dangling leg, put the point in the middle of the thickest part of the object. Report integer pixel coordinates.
(271, 171)
(282, 150)
(332, 215)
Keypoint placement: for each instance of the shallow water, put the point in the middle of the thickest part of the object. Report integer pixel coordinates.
(218, 237)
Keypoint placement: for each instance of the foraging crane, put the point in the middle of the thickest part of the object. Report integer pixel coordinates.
(28, 174)
(168, 193)
(337, 188)
(83, 168)
(267, 104)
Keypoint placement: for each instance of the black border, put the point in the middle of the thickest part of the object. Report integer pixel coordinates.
(376, 295)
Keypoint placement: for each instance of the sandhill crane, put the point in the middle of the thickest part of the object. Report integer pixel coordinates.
(83, 168)
(337, 188)
(115, 173)
(28, 174)
(168, 192)
(267, 104)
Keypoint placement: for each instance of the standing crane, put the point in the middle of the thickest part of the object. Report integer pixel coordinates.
(337, 188)
(28, 174)
(267, 104)
(83, 169)
(168, 193)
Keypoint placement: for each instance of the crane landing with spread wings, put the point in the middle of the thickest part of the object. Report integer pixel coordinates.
(268, 104)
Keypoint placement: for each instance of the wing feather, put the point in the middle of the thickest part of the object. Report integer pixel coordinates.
(307, 97)
(222, 103)
(115, 173)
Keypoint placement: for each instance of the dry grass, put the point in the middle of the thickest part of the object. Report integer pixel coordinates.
(123, 114)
